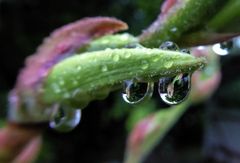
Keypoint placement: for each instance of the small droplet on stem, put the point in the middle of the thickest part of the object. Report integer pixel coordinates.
(185, 51)
(168, 45)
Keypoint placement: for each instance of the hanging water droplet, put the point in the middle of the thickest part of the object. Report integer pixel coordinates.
(135, 92)
(223, 48)
(64, 118)
(173, 90)
(168, 45)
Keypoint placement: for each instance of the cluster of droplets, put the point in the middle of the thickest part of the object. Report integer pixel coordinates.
(172, 90)
(64, 119)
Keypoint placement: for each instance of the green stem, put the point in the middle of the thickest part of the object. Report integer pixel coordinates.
(183, 17)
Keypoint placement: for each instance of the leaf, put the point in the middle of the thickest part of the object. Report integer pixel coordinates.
(92, 75)
(227, 19)
(61, 44)
(181, 18)
(149, 132)
(19, 142)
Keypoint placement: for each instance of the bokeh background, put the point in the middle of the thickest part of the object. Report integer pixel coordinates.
(208, 132)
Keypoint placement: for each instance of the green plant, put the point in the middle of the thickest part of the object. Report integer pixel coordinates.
(80, 63)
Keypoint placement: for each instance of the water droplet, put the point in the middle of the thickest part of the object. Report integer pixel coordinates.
(64, 119)
(174, 90)
(124, 37)
(135, 92)
(115, 57)
(104, 68)
(168, 45)
(79, 68)
(155, 59)
(127, 55)
(174, 29)
(134, 45)
(144, 65)
(223, 48)
(185, 51)
(168, 64)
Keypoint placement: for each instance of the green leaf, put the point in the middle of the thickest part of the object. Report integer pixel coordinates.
(150, 131)
(183, 18)
(92, 75)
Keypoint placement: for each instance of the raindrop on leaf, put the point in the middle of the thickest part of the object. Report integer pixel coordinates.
(168, 45)
(116, 57)
(64, 118)
(174, 90)
(104, 68)
(144, 65)
(185, 51)
(135, 92)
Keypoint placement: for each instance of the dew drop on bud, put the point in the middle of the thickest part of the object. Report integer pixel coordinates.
(168, 45)
(185, 51)
(135, 92)
(64, 119)
(174, 90)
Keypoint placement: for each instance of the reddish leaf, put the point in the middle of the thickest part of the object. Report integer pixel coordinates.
(60, 44)
(167, 5)
(13, 140)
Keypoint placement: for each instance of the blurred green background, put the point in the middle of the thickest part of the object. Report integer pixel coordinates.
(208, 132)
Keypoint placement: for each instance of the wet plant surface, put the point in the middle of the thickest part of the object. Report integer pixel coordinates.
(206, 132)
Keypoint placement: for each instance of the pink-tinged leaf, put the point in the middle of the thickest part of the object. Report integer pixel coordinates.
(13, 140)
(206, 81)
(185, 23)
(30, 151)
(148, 132)
(62, 43)
(167, 5)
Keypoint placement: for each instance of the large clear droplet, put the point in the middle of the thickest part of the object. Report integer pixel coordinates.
(223, 48)
(135, 92)
(65, 119)
(168, 45)
(174, 90)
